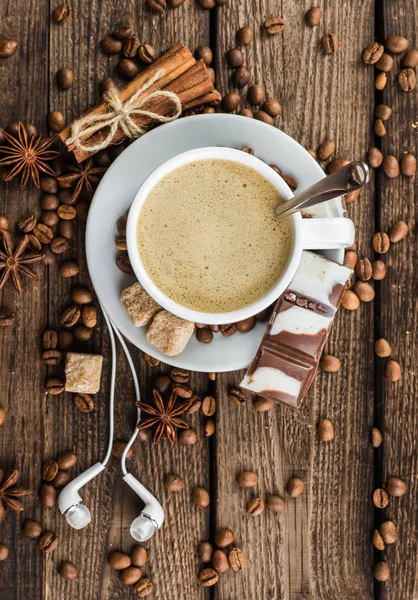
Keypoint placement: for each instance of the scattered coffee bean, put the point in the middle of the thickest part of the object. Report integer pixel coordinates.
(326, 430)
(147, 54)
(261, 404)
(220, 561)
(247, 150)
(26, 224)
(173, 483)
(350, 259)
(151, 361)
(364, 269)
(337, 163)
(183, 391)
(295, 487)
(245, 36)
(276, 504)
(179, 375)
(124, 264)
(372, 53)
(50, 470)
(204, 53)
(208, 577)
(408, 164)
(127, 68)
(204, 335)
(255, 94)
(382, 348)
(314, 16)
(391, 166)
(381, 242)
(380, 81)
(4, 552)
(231, 101)
(393, 370)
(209, 428)
(187, 437)
(396, 486)
(3, 414)
(331, 364)
(212, 77)
(139, 555)
(380, 498)
(66, 229)
(59, 245)
(264, 117)
(385, 63)
(237, 560)
(65, 78)
(130, 47)
(389, 532)
(119, 560)
(4, 223)
(396, 44)
(89, 316)
(8, 47)
(49, 218)
(241, 78)
(274, 25)
(407, 80)
(130, 575)
(200, 497)
(246, 325)
(47, 495)
(49, 339)
(329, 43)
(109, 45)
(236, 396)
(351, 196)
(272, 107)
(255, 507)
(364, 291)
(118, 448)
(32, 529)
(247, 479)
(376, 438)
(48, 542)
(82, 333)
(54, 386)
(209, 406)
(161, 383)
(326, 149)
(377, 540)
(224, 538)
(379, 128)
(212, 376)
(375, 157)
(66, 460)
(246, 112)
(66, 213)
(106, 84)
(205, 552)
(398, 231)
(52, 357)
(81, 295)
(291, 181)
(84, 402)
(43, 233)
(69, 268)
(410, 59)
(234, 58)
(123, 33)
(61, 479)
(381, 571)
(144, 587)
(65, 339)
(68, 570)
(227, 330)
(70, 316)
(56, 120)
(62, 13)
(383, 112)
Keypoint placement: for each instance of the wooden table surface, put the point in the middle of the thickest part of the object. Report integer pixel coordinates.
(320, 547)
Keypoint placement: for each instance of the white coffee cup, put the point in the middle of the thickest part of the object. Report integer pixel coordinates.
(308, 234)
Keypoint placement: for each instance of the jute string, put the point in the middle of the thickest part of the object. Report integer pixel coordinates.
(121, 116)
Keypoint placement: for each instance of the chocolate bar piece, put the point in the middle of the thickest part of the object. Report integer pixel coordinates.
(288, 356)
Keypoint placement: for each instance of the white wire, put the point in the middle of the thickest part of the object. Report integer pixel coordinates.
(112, 390)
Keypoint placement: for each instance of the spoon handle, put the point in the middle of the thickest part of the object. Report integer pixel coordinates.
(347, 179)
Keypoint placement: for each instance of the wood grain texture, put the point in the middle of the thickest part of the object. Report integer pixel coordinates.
(398, 319)
(329, 525)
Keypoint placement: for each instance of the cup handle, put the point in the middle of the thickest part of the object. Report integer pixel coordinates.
(327, 233)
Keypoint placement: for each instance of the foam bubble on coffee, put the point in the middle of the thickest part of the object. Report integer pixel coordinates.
(208, 237)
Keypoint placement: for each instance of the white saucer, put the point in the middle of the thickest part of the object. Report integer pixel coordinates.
(119, 186)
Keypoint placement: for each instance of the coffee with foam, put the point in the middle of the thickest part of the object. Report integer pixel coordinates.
(208, 237)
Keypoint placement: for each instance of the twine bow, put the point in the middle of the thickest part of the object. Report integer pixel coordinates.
(121, 116)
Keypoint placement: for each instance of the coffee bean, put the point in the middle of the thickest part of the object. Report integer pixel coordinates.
(130, 575)
(408, 164)
(364, 291)
(407, 80)
(56, 120)
(350, 259)
(224, 538)
(236, 396)
(255, 507)
(231, 101)
(393, 371)
(67, 213)
(331, 364)
(389, 532)
(59, 245)
(383, 112)
(329, 43)
(291, 181)
(65, 78)
(364, 269)
(183, 391)
(205, 552)
(220, 561)
(381, 571)
(147, 54)
(26, 224)
(124, 264)
(32, 529)
(179, 375)
(173, 483)
(50, 339)
(196, 403)
(66, 229)
(314, 16)
(158, 6)
(410, 59)
(8, 47)
(66, 460)
(380, 498)
(255, 94)
(118, 448)
(144, 587)
(209, 406)
(235, 58)
(247, 479)
(246, 112)
(212, 76)
(396, 44)
(382, 348)
(398, 231)
(240, 79)
(4, 552)
(247, 150)
(89, 316)
(381, 242)
(54, 386)
(61, 479)
(69, 268)
(65, 339)
(175, 3)
(119, 560)
(351, 196)
(212, 376)
(70, 316)
(187, 437)
(200, 497)
(127, 68)
(161, 383)
(385, 63)
(312, 152)
(52, 357)
(262, 404)
(377, 540)
(237, 560)
(276, 504)
(295, 487)
(123, 33)
(82, 333)
(138, 555)
(47, 495)
(150, 360)
(264, 117)
(396, 486)
(208, 577)
(68, 570)
(109, 45)
(272, 107)
(81, 295)
(62, 13)
(326, 430)
(106, 84)
(326, 149)
(43, 233)
(130, 47)
(228, 329)
(337, 163)
(350, 300)
(372, 53)
(209, 429)
(380, 81)
(4, 223)
(245, 36)
(379, 128)
(204, 53)
(49, 218)
(3, 414)
(84, 402)
(48, 542)
(274, 25)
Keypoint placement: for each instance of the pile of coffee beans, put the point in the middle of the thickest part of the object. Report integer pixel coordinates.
(383, 58)
(223, 555)
(125, 43)
(56, 476)
(130, 568)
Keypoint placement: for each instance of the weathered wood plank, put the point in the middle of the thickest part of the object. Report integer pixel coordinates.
(319, 548)
(398, 319)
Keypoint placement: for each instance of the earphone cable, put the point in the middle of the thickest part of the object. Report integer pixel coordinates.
(112, 389)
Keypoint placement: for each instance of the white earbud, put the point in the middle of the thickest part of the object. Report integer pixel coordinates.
(70, 502)
(152, 515)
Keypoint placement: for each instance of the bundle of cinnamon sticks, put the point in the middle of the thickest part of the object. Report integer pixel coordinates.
(178, 72)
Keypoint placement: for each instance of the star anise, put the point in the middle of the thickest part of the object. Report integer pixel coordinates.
(84, 176)
(27, 155)
(164, 417)
(10, 493)
(13, 262)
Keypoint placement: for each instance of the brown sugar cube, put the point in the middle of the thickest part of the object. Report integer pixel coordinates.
(139, 305)
(169, 333)
(83, 372)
